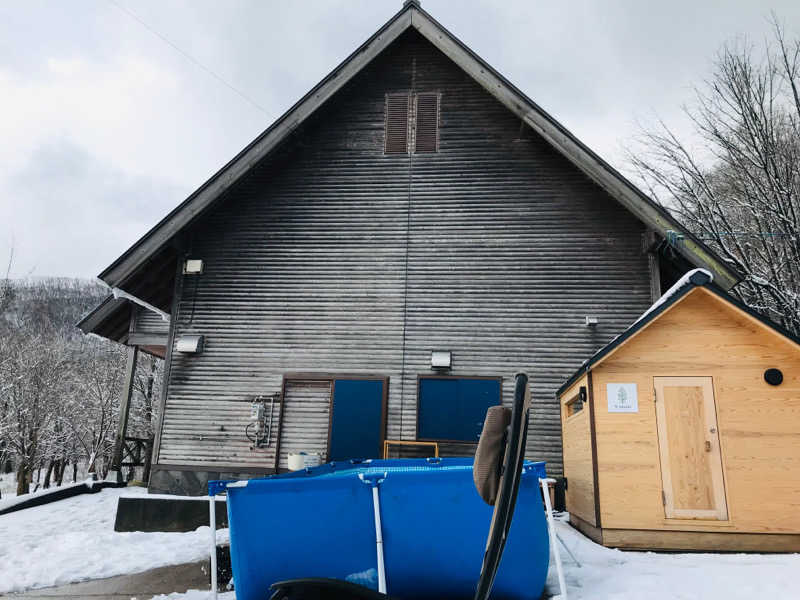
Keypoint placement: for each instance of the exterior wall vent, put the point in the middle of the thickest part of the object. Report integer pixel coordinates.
(426, 137)
(396, 124)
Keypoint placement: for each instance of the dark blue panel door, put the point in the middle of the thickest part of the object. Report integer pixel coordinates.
(357, 419)
(454, 409)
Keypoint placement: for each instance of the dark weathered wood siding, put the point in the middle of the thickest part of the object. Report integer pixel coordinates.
(147, 322)
(334, 257)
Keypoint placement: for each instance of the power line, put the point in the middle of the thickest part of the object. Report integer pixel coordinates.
(189, 57)
(674, 237)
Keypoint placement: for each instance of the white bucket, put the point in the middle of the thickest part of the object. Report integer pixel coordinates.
(301, 460)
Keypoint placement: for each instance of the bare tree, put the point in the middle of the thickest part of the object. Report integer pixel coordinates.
(6, 289)
(30, 375)
(741, 190)
(91, 414)
(59, 389)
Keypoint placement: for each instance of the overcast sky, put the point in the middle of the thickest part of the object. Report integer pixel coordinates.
(104, 127)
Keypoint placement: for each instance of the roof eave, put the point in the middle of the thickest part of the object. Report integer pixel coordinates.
(654, 314)
(159, 235)
(104, 312)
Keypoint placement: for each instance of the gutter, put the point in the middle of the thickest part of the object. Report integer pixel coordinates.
(120, 293)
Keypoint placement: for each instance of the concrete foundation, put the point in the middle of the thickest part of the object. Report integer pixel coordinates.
(189, 483)
(143, 513)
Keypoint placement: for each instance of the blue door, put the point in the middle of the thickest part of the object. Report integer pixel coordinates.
(357, 420)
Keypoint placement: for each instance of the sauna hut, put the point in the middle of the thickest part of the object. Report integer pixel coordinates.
(683, 432)
(378, 264)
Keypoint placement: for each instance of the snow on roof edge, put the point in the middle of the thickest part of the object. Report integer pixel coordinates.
(695, 277)
(690, 278)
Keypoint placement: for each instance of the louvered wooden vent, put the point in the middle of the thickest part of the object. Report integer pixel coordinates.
(427, 130)
(396, 124)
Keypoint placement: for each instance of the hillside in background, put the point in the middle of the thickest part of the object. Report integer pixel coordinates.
(60, 389)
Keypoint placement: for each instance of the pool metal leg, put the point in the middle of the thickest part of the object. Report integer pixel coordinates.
(212, 518)
(553, 541)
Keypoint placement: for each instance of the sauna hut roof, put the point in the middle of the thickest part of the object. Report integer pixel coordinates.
(690, 281)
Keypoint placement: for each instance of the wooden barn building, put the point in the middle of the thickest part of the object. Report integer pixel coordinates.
(682, 433)
(414, 208)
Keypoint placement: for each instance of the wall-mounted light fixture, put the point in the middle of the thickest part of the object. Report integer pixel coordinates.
(441, 359)
(591, 321)
(193, 266)
(189, 344)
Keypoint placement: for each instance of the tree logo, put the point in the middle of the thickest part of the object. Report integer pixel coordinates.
(622, 398)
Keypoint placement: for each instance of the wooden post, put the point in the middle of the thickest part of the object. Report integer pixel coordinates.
(148, 460)
(124, 410)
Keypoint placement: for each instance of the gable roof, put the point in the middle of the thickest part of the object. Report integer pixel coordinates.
(697, 278)
(412, 16)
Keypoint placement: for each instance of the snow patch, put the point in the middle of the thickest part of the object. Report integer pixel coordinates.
(74, 540)
(607, 574)
(678, 286)
(8, 502)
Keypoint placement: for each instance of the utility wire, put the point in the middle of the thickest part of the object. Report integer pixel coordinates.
(189, 57)
(673, 237)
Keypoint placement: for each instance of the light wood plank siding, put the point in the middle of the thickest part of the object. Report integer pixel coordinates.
(334, 257)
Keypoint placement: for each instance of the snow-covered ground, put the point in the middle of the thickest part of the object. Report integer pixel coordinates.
(606, 574)
(8, 481)
(74, 540)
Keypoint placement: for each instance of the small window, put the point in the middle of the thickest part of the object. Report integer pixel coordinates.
(575, 404)
(396, 124)
(453, 409)
(427, 123)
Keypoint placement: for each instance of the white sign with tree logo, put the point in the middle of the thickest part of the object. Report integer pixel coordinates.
(622, 397)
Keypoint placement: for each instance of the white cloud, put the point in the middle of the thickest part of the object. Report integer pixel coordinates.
(98, 105)
(104, 128)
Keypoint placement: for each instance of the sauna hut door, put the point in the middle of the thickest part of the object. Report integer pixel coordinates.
(688, 440)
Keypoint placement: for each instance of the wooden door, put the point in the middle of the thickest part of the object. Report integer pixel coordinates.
(688, 440)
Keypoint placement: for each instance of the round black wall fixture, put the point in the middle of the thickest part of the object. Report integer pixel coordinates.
(773, 376)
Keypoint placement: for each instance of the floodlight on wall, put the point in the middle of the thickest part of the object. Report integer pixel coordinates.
(441, 359)
(193, 266)
(189, 344)
(591, 321)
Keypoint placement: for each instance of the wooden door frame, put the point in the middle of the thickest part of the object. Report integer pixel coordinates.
(706, 383)
(331, 379)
